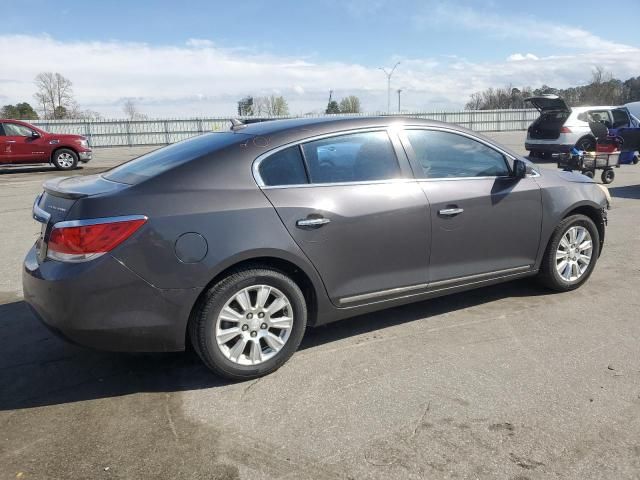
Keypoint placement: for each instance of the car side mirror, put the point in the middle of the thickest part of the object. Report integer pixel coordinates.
(519, 168)
(35, 135)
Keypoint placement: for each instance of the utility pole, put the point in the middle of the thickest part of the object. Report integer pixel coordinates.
(399, 92)
(389, 74)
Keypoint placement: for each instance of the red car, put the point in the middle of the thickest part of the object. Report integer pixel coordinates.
(22, 143)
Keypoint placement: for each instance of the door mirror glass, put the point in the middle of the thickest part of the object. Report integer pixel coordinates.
(35, 134)
(519, 168)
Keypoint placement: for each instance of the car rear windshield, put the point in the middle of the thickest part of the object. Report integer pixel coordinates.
(163, 159)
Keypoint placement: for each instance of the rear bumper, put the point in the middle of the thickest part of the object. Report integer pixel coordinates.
(102, 304)
(548, 147)
(85, 156)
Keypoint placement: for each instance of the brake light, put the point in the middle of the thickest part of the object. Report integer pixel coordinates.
(79, 241)
(565, 130)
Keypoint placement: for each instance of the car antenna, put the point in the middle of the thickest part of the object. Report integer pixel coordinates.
(236, 124)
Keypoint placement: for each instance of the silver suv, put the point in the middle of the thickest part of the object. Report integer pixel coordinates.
(559, 127)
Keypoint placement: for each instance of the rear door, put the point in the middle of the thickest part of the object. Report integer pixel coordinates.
(350, 203)
(484, 222)
(19, 145)
(620, 118)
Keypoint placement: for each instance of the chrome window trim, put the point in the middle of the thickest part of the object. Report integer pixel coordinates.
(255, 168)
(98, 221)
(341, 184)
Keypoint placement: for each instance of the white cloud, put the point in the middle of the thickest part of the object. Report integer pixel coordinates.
(517, 57)
(199, 78)
(521, 27)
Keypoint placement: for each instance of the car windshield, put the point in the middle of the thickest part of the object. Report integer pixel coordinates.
(163, 159)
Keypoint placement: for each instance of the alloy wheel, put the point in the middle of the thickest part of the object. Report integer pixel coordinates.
(254, 325)
(574, 252)
(65, 160)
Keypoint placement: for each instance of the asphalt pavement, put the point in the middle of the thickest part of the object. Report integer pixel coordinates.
(509, 381)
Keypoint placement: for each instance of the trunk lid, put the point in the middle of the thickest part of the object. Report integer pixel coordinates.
(77, 186)
(549, 103)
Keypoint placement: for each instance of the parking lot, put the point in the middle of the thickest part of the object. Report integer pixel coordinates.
(509, 381)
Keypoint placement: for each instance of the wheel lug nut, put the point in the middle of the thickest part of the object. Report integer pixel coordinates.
(249, 316)
(245, 328)
(261, 315)
(254, 333)
(263, 326)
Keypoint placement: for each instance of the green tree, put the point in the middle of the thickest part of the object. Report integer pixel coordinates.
(350, 104)
(19, 111)
(332, 107)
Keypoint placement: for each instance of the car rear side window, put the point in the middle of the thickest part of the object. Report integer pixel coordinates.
(357, 157)
(163, 159)
(449, 155)
(285, 167)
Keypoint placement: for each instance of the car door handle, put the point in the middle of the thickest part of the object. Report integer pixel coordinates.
(450, 212)
(10, 141)
(312, 222)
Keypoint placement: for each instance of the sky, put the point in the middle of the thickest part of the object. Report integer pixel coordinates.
(197, 58)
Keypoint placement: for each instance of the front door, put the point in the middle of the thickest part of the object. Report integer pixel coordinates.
(484, 222)
(352, 209)
(19, 145)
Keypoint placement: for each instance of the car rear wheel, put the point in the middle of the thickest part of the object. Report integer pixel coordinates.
(249, 323)
(586, 144)
(571, 254)
(65, 159)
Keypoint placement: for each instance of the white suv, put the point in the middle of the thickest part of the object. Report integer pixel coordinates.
(559, 127)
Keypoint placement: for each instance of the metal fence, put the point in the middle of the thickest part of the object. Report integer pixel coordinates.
(116, 133)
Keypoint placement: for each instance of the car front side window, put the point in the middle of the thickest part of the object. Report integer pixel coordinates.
(356, 157)
(15, 130)
(443, 154)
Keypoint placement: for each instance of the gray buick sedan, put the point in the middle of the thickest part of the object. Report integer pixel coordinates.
(238, 241)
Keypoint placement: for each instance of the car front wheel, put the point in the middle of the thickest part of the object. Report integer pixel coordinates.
(571, 254)
(249, 324)
(65, 159)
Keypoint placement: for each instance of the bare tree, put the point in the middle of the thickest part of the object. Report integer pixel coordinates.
(350, 104)
(130, 109)
(54, 95)
(271, 106)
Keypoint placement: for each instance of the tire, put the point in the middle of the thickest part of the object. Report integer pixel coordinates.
(65, 159)
(607, 176)
(549, 275)
(218, 355)
(635, 160)
(588, 173)
(588, 144)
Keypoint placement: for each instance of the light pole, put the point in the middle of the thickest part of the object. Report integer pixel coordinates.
(399, 92)
(388, 74)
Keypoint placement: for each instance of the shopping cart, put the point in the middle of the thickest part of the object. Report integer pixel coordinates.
(605, 158)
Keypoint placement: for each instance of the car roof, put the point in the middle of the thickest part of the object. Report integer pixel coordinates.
(596, 107)
(281, 132)
(334, 123)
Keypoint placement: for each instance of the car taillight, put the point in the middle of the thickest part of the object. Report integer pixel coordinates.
(565, 130)
(82, 240)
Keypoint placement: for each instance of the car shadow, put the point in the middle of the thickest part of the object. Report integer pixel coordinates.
(38, 369)
(9, 170)
(630, 191)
